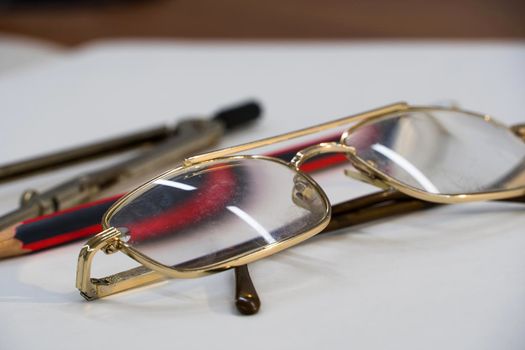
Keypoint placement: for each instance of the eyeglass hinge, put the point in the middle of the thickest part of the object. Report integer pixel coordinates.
(108, 241)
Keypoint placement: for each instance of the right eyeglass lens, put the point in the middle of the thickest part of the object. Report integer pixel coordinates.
(210, 213)
(442, 151)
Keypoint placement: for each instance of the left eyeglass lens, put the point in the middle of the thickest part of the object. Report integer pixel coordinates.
(206, 214)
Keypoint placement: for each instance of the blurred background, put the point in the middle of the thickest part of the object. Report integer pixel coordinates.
(72, 22)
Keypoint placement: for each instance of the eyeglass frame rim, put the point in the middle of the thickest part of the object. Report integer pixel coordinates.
(113, 238)
(374, 174)
(237, 260)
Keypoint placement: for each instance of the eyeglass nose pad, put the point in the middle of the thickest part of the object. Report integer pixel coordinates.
(326, 147)
(304, 195)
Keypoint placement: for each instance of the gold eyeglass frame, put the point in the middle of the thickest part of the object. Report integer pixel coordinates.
(111, 240)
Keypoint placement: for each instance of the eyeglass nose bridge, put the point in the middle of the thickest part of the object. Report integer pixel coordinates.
(326, 147)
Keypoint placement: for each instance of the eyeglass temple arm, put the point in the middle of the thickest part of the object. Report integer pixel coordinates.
(381, 205)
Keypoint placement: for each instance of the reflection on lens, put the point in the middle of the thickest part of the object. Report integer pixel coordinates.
(224, 209)
(442, 151)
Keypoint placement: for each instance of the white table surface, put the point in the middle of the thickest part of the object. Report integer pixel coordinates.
(449, 278)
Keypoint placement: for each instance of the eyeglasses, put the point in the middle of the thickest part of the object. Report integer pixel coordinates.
(220, 210)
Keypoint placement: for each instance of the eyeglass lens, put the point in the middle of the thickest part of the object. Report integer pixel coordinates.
(442, 151)
(223, 209)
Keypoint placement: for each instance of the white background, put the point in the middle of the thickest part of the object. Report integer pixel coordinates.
(449, 278)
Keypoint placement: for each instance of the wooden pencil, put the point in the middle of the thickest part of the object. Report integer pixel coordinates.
(54, 229)
(10, 246)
